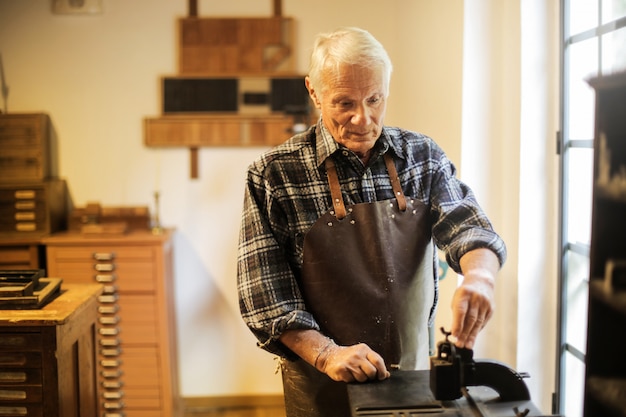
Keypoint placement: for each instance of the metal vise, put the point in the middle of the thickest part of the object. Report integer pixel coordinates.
(454, 368)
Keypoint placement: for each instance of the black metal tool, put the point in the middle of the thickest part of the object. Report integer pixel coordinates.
(455, 368)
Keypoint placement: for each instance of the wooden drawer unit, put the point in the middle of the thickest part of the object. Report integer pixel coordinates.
(21, 253)
(25, 151)
(30, 209)
(47, 357)
(136, 344)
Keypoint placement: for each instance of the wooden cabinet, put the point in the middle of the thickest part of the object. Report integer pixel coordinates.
(605, 389)
(136, 343)
(47, 361)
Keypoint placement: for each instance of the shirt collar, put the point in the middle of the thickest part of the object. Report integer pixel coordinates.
(326, 145)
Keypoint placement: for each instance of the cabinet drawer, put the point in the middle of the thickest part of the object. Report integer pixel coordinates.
(32, 208)
(130, 269)
(120, 253)
(141, 378)
(16, 377)
(127, 276)
(20, 360)
(19, 342)
(137, 319)
(24, 394)
(30, 410)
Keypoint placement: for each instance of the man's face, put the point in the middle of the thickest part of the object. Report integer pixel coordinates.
(353, 105)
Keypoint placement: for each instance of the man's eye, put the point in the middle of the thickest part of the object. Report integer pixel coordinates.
(374, 100)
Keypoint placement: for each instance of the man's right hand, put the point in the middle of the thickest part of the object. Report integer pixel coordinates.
(352, 363)
(341, 363)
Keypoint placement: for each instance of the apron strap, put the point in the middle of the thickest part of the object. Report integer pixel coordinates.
(395, 182)
(335, 188)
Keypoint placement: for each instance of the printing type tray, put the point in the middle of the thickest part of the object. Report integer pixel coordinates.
(27, 294)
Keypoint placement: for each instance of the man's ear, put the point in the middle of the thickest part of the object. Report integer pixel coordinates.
(312, 93)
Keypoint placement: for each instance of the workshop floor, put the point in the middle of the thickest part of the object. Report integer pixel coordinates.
(238, 406)
(259, 411)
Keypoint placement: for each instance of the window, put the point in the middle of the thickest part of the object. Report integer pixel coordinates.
(593, 44)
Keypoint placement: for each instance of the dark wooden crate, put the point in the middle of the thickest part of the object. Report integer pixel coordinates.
(25, 148)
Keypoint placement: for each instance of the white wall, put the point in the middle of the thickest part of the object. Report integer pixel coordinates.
(97, 77)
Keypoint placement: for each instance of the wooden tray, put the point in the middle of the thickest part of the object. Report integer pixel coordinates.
(44, 290)
(18, 283)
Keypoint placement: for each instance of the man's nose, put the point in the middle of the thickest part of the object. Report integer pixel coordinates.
(361, 116)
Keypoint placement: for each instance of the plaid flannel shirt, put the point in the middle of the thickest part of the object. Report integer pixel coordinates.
(287, 191)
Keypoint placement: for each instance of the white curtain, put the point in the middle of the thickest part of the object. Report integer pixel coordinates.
(509, 122)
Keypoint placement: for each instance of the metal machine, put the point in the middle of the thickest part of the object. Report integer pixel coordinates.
(456, 385)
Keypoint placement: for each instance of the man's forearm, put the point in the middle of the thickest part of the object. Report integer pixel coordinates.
(309, 345)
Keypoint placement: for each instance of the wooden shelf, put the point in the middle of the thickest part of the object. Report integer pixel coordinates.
(217, 130)
(605, 374)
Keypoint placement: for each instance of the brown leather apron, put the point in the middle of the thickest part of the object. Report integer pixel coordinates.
(367, 277)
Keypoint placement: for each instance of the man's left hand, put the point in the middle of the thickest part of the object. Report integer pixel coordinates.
(474, 300)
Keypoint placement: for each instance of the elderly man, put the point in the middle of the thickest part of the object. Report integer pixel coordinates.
(337, 261)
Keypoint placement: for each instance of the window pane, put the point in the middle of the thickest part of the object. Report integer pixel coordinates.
(574, 386)
(613, 51)
(583, 15)
(577, 300)
(613, 9)
(583, 59)
(579, 189)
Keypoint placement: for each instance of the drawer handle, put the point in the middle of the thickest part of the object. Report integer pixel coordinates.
(113, 331)
(25, 216)
(9, 395)
(109, 342)
(25, 205)
(26, 227)
(110, 363)
(111, 353)
(103, 256)
(115, 395)
(109, 309)
(104, 267)
(112, 374)
(109, 289)
(108, 299)
(109, 320)
(105, 278)
(13, 359)
(25, 194)
(112, 384)
(113, 406)
(13, 377)
(13, 411)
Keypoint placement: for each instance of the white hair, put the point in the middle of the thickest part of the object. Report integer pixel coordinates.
(347, 45)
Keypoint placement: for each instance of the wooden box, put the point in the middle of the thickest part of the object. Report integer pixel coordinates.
(33, 208)
(25, 148)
